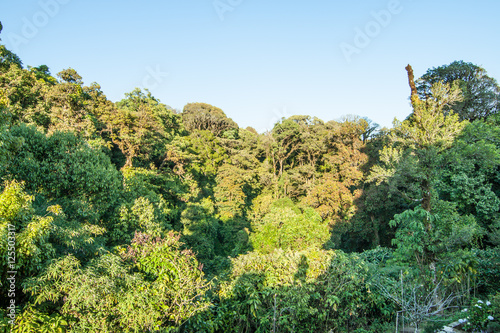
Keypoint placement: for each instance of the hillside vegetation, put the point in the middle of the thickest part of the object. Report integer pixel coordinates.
(133, 217)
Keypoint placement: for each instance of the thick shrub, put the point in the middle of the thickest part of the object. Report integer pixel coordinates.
(306, 291)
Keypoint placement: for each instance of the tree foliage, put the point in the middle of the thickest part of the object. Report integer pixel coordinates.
(131, 217)
(202, 116)
(103, 295)
(481, 92)
(286, 227)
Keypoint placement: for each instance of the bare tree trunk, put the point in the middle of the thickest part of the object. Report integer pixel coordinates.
(426, 195)
(411, 81)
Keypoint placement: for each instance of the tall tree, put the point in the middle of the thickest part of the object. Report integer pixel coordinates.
(285, 141)
(481, 92)
(412, 166)
(203, 116)
(430, 130)
(143, 127)
(334, 193)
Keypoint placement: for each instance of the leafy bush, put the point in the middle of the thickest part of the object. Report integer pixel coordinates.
(311, 290)
(478, 316)
(488, 270)
(151, 286)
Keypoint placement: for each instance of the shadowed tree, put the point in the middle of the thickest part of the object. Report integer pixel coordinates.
(411, 165)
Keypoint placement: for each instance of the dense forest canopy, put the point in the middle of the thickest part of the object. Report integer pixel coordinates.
(133, 217)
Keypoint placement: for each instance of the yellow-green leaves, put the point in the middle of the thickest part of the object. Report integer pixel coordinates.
(23, 235)
(387, 168)
(429, 125)
(286, 227)
(151, 285)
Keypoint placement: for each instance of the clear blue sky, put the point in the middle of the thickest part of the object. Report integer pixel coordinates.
(257, 60)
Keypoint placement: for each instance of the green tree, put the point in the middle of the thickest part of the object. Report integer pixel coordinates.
(412, 166)
(152, 285)
(200, 228)
(469, 175)
(335, 193)
(9, 144)
(202, 116)
(280, 145)
(62, 169)
(67, 101)
(24, 95)
(300, 291)
(450, 232)
(427, 133)
(285, 226)
(24, 236)
(233, 190)
(151, 203)
(143, 127)
(306, 161)
(481, 92)
(42, 72)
